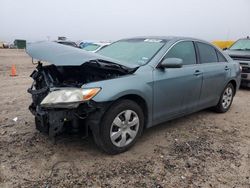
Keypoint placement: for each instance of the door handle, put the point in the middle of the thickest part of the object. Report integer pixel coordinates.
(226, 68)
(197, 73)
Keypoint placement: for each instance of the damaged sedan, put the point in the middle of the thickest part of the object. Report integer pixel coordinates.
(127, 86)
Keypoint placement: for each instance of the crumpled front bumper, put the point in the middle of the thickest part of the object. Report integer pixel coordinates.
(53, 121)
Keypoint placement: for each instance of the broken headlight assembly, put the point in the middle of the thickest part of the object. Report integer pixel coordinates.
(68, 97)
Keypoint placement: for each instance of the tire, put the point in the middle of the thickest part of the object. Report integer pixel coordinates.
(124, 120)
(226, 99)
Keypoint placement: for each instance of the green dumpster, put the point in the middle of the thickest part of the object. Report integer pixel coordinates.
(20, 44)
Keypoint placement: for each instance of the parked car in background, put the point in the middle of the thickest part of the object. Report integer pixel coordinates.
(4, 45)
(12, 46)
(67, 42)
(240, 51)
(128, 86)
(93, 46)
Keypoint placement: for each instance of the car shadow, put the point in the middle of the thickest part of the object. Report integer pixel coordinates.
(76, 143)
(173, 124)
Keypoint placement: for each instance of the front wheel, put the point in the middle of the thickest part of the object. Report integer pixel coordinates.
(226, 99)
(121, 125)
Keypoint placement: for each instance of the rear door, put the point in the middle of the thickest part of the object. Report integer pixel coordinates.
(177, 90)
(215, 71)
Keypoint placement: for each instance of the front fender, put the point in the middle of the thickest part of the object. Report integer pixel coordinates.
(139, 83)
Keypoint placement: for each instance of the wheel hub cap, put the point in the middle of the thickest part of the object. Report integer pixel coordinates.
(227, 97)
(124, 128)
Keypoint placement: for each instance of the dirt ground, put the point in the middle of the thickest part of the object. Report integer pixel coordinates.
(205, 149)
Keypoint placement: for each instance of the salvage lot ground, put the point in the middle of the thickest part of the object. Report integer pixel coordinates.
(204, 149)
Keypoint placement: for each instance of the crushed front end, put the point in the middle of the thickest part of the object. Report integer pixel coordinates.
(59, 101)
(53, 121)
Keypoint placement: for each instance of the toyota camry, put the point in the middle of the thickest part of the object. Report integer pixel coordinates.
(128, 86)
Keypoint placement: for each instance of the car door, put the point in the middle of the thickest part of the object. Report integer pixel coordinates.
(215, 71)
(177, 90)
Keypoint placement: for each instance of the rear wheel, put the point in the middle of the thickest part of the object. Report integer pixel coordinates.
(120, 127)
(226, 99)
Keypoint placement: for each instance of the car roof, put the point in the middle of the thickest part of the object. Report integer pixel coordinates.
(165, 38)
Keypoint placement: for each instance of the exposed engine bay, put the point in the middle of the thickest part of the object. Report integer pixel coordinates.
(76, 76)
(47, 77)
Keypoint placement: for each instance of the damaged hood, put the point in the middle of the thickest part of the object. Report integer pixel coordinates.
(63, 55)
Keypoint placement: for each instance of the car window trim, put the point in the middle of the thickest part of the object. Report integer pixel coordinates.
(198, 61)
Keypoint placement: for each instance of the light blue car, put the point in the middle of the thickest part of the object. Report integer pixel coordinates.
(127, 86)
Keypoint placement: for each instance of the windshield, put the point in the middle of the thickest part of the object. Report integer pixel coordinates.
(91, 47)
(133, 51)
(242, 44)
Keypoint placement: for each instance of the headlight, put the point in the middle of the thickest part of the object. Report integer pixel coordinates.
(69, 95)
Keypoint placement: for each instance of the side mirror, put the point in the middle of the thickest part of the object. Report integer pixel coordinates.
(224, 48)
(171, 63)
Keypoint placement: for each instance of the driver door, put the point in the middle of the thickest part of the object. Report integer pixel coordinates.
(177, 90)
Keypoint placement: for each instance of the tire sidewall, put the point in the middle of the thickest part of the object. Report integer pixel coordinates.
(108, 119)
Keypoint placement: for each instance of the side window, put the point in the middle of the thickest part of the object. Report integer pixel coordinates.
(183, 50)
(221, 58)
(207, 53)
